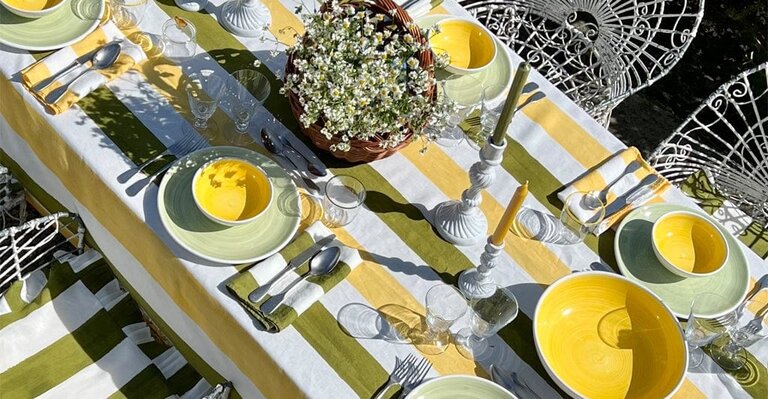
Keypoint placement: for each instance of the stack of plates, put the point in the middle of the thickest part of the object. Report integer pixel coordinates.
(637, 261)
(249, 242)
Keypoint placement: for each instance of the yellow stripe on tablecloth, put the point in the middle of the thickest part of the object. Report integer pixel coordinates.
(532, 256)
(188, 294)
(285, 24)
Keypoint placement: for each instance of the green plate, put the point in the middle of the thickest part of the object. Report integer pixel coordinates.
(637, 261)
(227, 244)
(497, 77)
(65, 26)
(459, 387)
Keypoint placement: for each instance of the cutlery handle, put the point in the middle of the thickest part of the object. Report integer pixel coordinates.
(259, 293)
(160, 171)
(55, 77)
(151, 160)
(66, 89)
(384, 390)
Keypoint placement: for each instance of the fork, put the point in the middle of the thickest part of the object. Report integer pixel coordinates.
(176, 148)
(756, 324)
(198, 143)
(415, 378)
(402, 370)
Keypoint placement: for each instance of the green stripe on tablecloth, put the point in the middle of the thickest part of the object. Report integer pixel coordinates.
(88, 343)
(62, 278)
(183, 380)
(148, 384)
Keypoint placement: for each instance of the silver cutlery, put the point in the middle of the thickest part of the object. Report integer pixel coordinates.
(634, 196)
(756, 324)
(512, 382)
(197, 144)
(416, 377)
(259, 293)
(178, 147)
(271, 146)
(69, 68)
(321, 264)
(402, 370)
(104, 58)
(311, 166)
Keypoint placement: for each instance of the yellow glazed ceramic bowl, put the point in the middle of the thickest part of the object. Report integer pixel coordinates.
(32, 8)
(689, 245)
(470, 47)
(231, 191)
(600, 335)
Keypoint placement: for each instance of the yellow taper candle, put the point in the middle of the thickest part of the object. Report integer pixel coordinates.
(521, 77)
(509, 215)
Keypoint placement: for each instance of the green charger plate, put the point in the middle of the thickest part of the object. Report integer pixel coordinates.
(459, 387)
(637, 261)
(497, 77)
(227, 244)
(65, 26)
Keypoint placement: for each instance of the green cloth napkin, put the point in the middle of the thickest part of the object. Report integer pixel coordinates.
(280, 312)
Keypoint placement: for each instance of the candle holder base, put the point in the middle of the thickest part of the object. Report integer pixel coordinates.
(458, 226)
(474, 284)
(245, 17)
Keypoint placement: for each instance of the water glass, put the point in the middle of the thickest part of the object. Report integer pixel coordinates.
(127, 13)
(746, 330)
(488, 316)
(702, 330)
(582, 213)
(204, 90)
(178, 39)
(247, 89)
(445, 305)
(463, 102)
(344, 195)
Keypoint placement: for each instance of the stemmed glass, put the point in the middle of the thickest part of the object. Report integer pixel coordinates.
(247, 89)
(746, 330)
(701, 330)
(488, 316)
(445, 305)
(344, 195)
(464, 100)
(582, 213)
(204, 91)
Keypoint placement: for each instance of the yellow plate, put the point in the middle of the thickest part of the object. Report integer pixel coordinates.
(688, 244)
(600, 335)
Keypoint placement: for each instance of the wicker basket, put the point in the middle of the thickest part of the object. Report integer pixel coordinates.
(365, 150)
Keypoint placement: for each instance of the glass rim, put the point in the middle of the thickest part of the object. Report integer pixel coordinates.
(587, 223)
(130, 3)
(170, 22)
(338, 178)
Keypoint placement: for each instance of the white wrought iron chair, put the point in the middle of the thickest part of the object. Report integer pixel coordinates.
(13, 206)
(31, 245)
(727, 138)
(598, 52)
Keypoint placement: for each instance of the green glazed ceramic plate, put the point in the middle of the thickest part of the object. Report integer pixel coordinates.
(497, 77)
(634, 254)
(459, 387)
(227, 244)
(65, 26)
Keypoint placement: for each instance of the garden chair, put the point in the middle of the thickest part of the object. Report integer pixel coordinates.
(13, 206)
(598, 52)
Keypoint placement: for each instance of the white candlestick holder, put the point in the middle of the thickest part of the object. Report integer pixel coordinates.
(477, 282)
(245, 17)
(462, 222)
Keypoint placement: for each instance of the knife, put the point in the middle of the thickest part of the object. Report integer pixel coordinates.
(634, 196)
(259, 293)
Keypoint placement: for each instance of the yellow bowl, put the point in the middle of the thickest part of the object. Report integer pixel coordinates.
(600, 335)
(32, 8)
(470, 47)
(231, 191)
(688, 244)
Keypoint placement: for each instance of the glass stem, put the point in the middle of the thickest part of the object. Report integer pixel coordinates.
(201, 123)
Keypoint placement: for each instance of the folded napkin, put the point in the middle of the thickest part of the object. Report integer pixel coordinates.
(418, 8)
(42, 70)
(277, 314)
(618, 180)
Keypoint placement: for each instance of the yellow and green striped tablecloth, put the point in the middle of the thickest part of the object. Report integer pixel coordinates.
(79, 158)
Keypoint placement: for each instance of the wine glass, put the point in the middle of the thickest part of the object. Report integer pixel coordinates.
(462, 101)
(746, 330)
(582, 213)
(445, 305)
(204, 91)
(701, 330)
(344, 195)
(247, 89)
(488, 316)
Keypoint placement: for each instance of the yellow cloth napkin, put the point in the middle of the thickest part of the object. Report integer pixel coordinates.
(618, 180)
(39, 72)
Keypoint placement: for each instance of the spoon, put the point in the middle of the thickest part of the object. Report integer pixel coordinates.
(322, 263)
(102, 59)
(272, 147)
(311, 166)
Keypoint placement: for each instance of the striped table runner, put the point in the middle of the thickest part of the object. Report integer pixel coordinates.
(79, 157)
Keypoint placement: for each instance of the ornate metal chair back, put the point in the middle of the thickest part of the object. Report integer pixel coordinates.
(12, 202)
(596, 51)
(727, 138)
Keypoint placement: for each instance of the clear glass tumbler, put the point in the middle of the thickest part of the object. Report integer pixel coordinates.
(178, 39)
(445, 305)
(247, 89)
(489, 315)
(344, 195)
(127, 13)
(701, 330)
(746, 330)
(204, 91)
(582, 213)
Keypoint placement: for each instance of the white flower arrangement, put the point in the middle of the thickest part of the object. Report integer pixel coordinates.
(360, 75)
